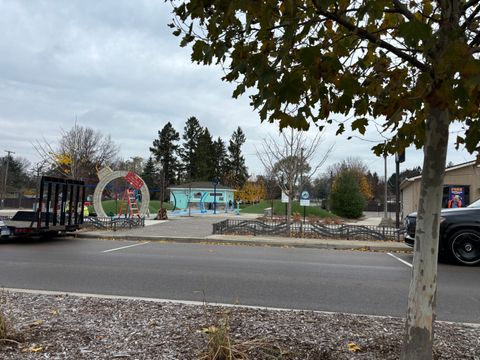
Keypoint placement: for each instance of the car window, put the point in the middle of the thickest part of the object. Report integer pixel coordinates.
(475, 204)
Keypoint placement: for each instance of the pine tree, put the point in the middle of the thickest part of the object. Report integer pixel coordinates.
(237, 171)
(151, 175)
(204, 157)
(191, 134)
(165, 150)
(346, 198)
(220, 160)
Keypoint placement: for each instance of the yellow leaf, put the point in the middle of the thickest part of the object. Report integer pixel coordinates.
(53, 312)
(353, 347)
(33, 349)
(36, 323)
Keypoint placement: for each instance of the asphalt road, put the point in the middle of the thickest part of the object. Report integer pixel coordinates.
(327, 280)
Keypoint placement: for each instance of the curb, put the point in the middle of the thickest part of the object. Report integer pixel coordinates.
(251, 241)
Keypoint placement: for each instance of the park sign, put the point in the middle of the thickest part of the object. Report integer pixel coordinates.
(284, 197)
(305, 198)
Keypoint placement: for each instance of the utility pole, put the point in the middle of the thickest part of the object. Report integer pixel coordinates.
(7, 162)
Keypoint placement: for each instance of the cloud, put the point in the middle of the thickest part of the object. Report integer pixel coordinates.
(116, 67)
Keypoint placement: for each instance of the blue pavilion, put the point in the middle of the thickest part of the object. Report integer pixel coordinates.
(201, 196)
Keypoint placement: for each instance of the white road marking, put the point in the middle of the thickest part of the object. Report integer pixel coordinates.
(401, 260)
(125, 247)
(202, 303)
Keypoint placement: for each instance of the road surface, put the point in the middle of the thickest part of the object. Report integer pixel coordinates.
(326, 280)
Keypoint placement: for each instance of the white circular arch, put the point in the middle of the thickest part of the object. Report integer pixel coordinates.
(107, 175)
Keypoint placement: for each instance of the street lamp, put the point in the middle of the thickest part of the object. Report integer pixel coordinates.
(215, 183)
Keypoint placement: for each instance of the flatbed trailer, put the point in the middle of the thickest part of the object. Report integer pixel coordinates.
(60, 210)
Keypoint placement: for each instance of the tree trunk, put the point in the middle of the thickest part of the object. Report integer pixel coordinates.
(418, 338)
(289, 214)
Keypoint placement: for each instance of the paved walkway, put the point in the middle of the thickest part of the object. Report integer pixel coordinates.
(199, 230)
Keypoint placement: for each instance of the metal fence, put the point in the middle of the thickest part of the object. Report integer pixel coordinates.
(307, 230)
(114, 224)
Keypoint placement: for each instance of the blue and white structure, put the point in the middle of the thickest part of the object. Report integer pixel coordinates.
(202, 196)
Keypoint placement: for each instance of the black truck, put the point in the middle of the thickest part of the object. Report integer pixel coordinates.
(59, 210)
(459, 239)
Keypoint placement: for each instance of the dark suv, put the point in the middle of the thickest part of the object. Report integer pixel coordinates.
(459, 234)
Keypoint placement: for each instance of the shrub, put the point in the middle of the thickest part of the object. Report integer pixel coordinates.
(346, 198)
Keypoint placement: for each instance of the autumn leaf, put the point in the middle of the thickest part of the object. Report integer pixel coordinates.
(353, 347)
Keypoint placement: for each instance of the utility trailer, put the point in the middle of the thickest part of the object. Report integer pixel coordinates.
(59, 210)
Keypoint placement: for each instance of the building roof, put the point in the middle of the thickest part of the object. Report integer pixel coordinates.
(204, 185)
(448, 169)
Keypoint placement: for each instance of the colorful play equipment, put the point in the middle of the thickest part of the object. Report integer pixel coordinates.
(107, 175)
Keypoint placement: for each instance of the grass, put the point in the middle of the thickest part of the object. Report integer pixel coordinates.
(109, 206)
(279, 209)
(221, 346)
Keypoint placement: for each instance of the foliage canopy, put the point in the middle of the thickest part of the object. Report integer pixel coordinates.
(308, 59)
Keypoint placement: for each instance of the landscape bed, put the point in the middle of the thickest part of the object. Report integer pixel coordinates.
(71, 327)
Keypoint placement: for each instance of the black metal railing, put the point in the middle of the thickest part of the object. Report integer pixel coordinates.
(307, 230)
(114, 224)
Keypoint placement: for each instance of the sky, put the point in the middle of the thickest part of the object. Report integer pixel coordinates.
(114, 66)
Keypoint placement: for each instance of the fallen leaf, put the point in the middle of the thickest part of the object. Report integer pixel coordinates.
(36, 323)
(353, 347)
(53, 312)
(33, 349)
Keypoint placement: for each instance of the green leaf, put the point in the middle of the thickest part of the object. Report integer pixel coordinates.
(414, 31)
(360, 125)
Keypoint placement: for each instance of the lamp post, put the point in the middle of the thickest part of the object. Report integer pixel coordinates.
(215, 183)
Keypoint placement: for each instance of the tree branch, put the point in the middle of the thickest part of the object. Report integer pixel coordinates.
(403, 10)
(469, 4)
(470, 18)
(364, 34)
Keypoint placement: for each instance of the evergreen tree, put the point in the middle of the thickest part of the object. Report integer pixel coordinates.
(237, 171)
(151, 175)
(165, 150)
(191, 135)
(204, 157)
(220, 160)
(346, 198)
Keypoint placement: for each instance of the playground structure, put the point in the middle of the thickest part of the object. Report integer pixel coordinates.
(135, 182)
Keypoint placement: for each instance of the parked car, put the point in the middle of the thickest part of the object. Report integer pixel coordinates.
(459, 234)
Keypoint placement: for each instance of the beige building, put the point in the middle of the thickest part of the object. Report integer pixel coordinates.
(461, 187)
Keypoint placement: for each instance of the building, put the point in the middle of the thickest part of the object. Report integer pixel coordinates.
(201, 195)
(461, 187)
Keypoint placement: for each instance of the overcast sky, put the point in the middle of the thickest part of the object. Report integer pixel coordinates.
(115, 66)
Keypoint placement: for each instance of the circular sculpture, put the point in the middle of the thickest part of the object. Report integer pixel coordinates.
(107, 175)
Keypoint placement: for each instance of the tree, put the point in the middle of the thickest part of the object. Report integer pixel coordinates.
(151, 176)
(251, 192)
(204, 157)
(191, 134)
(358, 169)
(413, 65)
(237, 170)
(79, 154)
(14, 176)
(288, 160)
(347, 199)
(165, 150)
(220, 160)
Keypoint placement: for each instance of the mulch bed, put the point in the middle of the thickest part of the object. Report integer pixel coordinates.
(69, 327)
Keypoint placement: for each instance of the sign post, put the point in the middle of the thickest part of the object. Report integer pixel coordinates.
(304, 201)
(285, 201)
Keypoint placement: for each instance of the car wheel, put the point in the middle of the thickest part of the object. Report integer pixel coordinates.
(464, 247)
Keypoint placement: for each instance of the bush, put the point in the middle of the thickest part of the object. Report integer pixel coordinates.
(346, 198)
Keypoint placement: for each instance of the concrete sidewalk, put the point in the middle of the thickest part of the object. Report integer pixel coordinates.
(248, 240)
